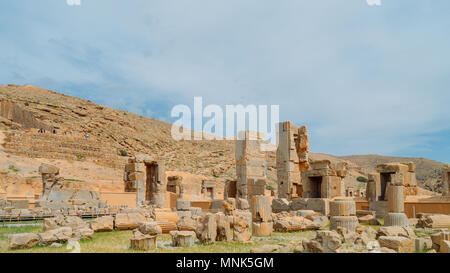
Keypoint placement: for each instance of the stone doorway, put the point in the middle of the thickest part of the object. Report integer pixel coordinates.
(316, 186)
(151, 171)
(385, 179)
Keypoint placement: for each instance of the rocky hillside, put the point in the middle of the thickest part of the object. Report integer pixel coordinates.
(428, 171)
(85, 131)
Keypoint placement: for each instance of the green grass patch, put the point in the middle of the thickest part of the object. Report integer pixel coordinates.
(13, 168)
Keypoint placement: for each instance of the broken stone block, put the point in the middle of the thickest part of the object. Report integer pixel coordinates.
(242, 204)
(421, 244)
(435, 221)
(48, 169)
(184, 213)
(224, 232)
(49, 224)
(183, 238)
(261, 209)
(262, 229)
(247, 215)
(437, 239)
(294, 223)
(349, 222)
(149, 228)
(23, 240)
(195, 211)
(141, 241)
(396, 231)
(187, 224)
(83, 233)
(183, 204)
(321, 205)
(62, 234)
(207, 228)
(125, 221)
(228, 208)
(396, 219)
(367, 219)
(241, 231)
(326, 241)
(397, 243)
(348, 235)
(305, 213)
(70, 221)
(298, 204)
(445, 246)
(104, 223)
(280, 204)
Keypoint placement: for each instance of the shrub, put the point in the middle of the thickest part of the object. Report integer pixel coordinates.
(13, 168)
(123, 153)
(80, 157)
(362, 179)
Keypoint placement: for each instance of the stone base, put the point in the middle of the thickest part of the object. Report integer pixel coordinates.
(262, 229)
(396, 219)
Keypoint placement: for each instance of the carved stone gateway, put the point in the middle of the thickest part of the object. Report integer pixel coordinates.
(292, 159)
(250, 161)
(324, 180)
(147, 178)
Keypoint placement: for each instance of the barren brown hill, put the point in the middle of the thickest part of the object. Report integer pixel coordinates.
(86, 132)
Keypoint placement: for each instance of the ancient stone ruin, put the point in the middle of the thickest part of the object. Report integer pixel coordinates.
(250, 165)
(292, 159)
(446, 181)
(324, 180)
(147, 178)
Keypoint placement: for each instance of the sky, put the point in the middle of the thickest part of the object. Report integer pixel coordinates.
(364, 79)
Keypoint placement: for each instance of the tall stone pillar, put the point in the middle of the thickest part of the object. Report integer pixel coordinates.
(250, 161)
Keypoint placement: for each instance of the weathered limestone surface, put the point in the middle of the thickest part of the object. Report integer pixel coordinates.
(435, 221)
(207, 228)
(288, 164)
(294, 223)
(446, 180)
(149, 228)
(349, 222)
(397, 243)
(241, 231)
(250, 161)
(396, 219)
(23, 240)
(147, 177)
(280, 205)
(62, 234)
(224, 232)
(187, 224)
(342, 207)
(183, 238)
(104, 223)
(141, 241)
(124, 221)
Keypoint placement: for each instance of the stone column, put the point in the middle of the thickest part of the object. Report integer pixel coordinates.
(261, 216)
(446, 180)
(250, 161)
